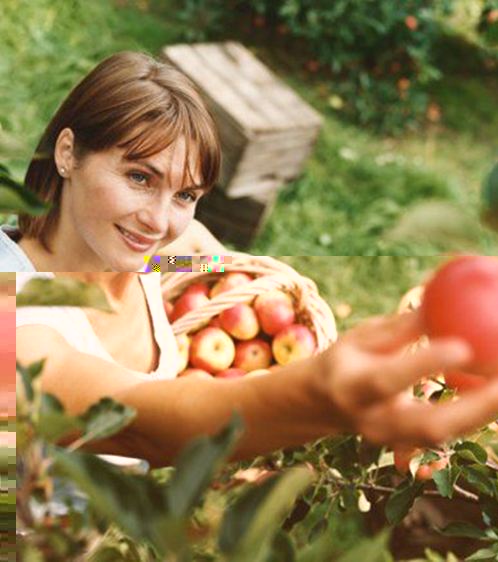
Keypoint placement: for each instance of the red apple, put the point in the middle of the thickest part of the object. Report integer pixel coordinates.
(253, 354)
(183, 342)
(293, 343)
(231, 373)
(258, 373)
(215, 322)
(403, 456)
(462, 382)
(188, 302)
(197, 289)
(275, 311)
(426, 471)
(228, 282)
(199, 373)
(240, 321)
(212, 349)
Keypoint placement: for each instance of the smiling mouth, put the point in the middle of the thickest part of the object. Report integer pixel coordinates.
(137, 243)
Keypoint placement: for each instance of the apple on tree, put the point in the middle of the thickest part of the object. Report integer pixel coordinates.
(212, 349)
(275, 311)
(293, 343)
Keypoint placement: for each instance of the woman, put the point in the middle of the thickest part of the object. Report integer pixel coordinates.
(123, 162)
(358, 385)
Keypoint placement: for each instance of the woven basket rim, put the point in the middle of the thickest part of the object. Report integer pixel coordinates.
(270, 274)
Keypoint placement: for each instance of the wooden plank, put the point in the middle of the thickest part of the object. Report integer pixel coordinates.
(254, 94)
(219, 91)
(274, 86)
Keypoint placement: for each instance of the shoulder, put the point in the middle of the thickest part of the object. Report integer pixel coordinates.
(12, 258)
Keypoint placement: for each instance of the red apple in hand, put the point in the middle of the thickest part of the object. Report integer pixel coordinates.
(188, 302)
(212, 349)
(275, 311)
(231, 373)
(240, 321)
(252, 355)
(461, 301)
(228, 282)
(426, 471)
(293, 343)
(462, 382)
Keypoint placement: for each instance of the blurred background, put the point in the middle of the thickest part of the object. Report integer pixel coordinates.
(408, 92)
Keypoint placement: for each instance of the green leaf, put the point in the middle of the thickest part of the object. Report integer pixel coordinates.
(444, 481)
(464, 529)
(52, 422)
(135, 503)
(282, 548)
(197, 463)
(105, 418)
(401, 500)
(63, 291)
(471, 451)
(28, 375)
(14, 197)
(251, 523)
(490, 189)
(479, 477)
(485, 555)
(369, 550)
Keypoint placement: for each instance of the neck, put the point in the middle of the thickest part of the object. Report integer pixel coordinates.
(116, 286)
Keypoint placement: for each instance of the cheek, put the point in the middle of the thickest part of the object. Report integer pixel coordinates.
(179, 220)
(106, 199)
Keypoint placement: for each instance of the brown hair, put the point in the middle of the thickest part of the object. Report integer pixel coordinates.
(132, 101)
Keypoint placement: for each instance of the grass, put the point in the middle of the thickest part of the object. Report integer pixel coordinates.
(357, 186)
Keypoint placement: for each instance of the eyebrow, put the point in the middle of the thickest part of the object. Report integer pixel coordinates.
(160, 174)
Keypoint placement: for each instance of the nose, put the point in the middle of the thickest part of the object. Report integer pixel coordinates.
(155, 215)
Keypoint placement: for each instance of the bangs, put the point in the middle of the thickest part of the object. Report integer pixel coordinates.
(158, 132)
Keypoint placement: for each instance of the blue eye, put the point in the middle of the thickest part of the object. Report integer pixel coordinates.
(190, 197)
(139, 177)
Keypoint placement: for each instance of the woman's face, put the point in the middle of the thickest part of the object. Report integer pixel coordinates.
(115, 211)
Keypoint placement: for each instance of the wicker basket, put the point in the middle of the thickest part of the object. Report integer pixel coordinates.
(269, 274)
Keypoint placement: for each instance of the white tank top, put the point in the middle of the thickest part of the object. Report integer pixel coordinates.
(72, 323)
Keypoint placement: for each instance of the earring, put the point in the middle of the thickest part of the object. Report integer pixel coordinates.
(62, 171)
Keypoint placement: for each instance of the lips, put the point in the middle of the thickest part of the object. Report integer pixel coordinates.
(137, 237)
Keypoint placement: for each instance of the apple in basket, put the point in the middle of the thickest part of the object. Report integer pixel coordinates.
(183, 343)
(197, 289)
(240, 322)
(231, 373)
(199, 373)
(275, 311)
(252, 355)
(293, 343)
(212, 349)
(187, 302)
(228, 282)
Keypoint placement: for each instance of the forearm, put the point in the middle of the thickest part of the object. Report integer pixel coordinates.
(281, 409)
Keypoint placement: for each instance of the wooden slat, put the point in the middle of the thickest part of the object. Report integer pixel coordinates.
(219, 91)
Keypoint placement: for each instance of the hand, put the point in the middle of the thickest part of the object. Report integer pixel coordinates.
(367, 378)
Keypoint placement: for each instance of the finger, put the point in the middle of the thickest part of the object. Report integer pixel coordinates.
(383, 334)
(411, 422)
(388, 376)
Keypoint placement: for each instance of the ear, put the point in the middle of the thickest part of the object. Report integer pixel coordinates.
(64, 152)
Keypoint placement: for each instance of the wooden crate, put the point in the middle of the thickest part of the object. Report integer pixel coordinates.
(235, 220)
(267, 131)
